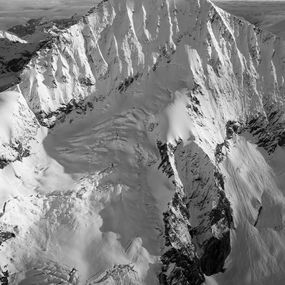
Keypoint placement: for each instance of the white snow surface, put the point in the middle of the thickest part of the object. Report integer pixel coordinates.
(90, 195)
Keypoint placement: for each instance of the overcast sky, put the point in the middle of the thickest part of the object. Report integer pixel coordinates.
(27, 4)
(13, 12)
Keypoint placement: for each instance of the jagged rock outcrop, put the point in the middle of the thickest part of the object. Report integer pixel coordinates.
(19, 128)
(94, 51)
(119, 274)
(207, 245)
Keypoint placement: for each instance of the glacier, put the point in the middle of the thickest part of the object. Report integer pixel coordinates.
(143, 144)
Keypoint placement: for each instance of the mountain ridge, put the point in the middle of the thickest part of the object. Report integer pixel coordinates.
(155, 110)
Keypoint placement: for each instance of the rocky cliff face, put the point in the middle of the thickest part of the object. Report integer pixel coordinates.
(150, 174)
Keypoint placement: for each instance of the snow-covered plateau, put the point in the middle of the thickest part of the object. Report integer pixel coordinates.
(142, 144)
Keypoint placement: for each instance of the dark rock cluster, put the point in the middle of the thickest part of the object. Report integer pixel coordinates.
(183, 262)
(165, 163)
(49, 120)
(4, 277)
(269, 131)
(4, 236)
(21, 153)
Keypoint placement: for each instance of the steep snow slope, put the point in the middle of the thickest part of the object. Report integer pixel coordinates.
(150, 172)
(259, 234)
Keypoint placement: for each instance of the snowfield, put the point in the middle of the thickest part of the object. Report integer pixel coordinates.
(143, 145)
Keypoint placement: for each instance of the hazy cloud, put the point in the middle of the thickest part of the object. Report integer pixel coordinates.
(14, 12)
(20, 4)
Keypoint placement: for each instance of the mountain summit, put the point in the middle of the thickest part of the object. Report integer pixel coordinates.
(143, 144)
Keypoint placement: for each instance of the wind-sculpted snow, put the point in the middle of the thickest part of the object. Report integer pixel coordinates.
(130, 151)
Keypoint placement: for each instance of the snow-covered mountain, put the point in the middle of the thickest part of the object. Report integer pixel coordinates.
(143, 144)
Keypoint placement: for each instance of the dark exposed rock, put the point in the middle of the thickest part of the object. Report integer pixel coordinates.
(219, 151)
(215, 253)
(222, 212)
(116, 274)
(49, 120)
(258, 215)
(269, 131)
(186, 271)
(86, 81)
(217, 249)
(20, 54)
(3, 163)
(232, 127)
(17, 64)
(21, 151)
(123, 86)
(164, 154)
(4, 209)
(181, 251)
(4, 279)
(4, 236)
(182, 264)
